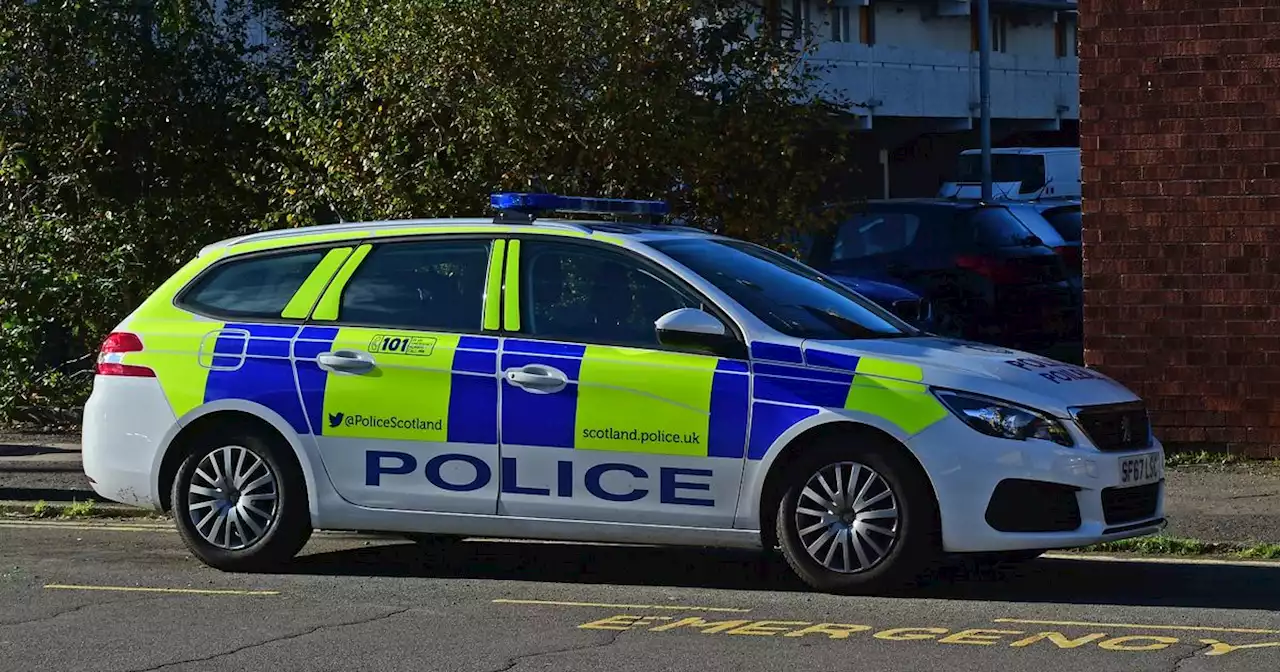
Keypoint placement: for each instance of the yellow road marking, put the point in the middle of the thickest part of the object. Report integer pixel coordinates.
(142, 589)
(1143, 626)
(601, 605)
(74, 526)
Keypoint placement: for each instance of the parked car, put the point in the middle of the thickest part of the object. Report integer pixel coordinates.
(997, 273)
(894, 297)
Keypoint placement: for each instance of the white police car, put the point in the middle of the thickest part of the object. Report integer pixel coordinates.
(526, 376)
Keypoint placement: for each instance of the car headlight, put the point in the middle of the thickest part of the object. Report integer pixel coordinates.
(1003, 419)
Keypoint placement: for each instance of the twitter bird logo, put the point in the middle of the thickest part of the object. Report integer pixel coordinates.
(335, 419)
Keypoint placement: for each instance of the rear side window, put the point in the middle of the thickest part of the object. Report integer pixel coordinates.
(431, 285)
(1067, 221)
(997, 227)
(257, 287)
(872, 234)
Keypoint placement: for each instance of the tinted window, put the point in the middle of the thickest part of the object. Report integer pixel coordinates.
(996, 227)
(784, 294)
(423, 285)
(871, 234)
(254, 287)
(1066, 221)
(579, 293)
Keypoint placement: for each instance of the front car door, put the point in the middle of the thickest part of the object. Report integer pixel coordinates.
(598, 420)
(399, 380)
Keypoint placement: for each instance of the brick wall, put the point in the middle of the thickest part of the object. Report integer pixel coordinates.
(1180, 133)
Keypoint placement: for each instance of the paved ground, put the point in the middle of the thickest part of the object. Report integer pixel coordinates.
(1239, 502)
(117, 596)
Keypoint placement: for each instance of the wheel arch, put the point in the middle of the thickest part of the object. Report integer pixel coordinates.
(221, 414)
(779, 460)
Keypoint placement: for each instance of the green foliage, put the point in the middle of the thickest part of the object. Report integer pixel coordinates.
(420, 108)
(124, 146)
(132, 132)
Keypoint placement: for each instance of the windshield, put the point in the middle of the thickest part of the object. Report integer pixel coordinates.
(1066, 221)
(784, 294)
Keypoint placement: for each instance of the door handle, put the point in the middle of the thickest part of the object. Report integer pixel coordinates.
(345, 361)
(537, 378)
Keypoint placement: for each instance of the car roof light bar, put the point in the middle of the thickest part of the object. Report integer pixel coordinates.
(526, 206)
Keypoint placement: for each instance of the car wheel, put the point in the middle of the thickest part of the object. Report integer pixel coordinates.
(240, 502)
(857, 519)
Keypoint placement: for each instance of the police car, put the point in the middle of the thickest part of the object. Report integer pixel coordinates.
(531, 376)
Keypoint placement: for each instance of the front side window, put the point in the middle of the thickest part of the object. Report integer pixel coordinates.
(256, 287)
(585, 294)
(786, 295)
(429, 285)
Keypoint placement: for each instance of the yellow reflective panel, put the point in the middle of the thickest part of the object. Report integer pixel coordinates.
(493, 287)
(644, 401)
(907, 405)
(305, 298)
(511, 288)
(404, 397)
(171, 348)
(890, 369)
(327, 307)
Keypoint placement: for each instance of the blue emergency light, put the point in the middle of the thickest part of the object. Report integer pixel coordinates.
(533, 204)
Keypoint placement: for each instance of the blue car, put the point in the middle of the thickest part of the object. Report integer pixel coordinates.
(895, 298)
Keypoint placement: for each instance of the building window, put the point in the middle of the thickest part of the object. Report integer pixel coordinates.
(867, 24)
(999, 32)
(801, 19)
(1065, 36)
(840, 23)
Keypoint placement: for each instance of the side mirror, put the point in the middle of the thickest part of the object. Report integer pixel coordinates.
(691, 328)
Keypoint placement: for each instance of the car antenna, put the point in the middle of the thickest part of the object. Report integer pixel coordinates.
(334, 208)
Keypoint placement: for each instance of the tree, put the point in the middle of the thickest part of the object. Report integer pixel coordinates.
(420, 108)
(125, 145)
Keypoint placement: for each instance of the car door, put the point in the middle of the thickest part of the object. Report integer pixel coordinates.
(599, 421)
(398, 377)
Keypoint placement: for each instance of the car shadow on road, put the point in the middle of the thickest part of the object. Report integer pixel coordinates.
(1046, 580)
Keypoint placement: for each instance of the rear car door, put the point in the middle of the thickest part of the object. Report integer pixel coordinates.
(398, 377)
(600, 422)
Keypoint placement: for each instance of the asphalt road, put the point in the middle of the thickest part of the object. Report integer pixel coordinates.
(125, 595)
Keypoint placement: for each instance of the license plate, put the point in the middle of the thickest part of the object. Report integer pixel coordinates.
(1141, 469)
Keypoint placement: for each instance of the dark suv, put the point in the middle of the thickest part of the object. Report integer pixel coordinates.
(995, 273)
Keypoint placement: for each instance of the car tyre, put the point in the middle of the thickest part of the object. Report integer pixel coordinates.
(854, 522)
(240, 502)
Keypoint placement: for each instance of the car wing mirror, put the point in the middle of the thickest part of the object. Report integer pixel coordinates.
(691, 328)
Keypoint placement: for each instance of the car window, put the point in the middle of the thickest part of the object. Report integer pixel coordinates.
(784, 294)
(1037, 225)
(260, 286)
(585, 294)
(436, 285)
(997, 227)
(1066, 221)
(873, 234)
(1025, 168)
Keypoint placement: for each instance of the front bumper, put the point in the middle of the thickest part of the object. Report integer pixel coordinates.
(1002, 495)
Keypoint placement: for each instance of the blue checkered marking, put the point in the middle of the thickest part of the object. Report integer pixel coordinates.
(264, 375)
(541, 419)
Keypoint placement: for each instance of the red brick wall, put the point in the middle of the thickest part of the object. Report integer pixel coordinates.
(1180, 134)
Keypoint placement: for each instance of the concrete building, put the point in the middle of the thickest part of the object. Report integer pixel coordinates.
(914, 65)
(1180, 142)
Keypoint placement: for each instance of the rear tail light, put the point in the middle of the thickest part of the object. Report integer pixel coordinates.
(1070, 256)
(998, 271)
(112, 353)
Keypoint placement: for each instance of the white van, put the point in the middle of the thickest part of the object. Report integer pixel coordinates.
(1019, 173)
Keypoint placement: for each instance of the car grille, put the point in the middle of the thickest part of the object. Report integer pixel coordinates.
(1116, 427)
(910, 310)
(1127, 505)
